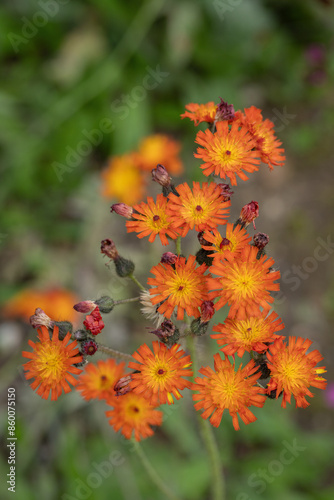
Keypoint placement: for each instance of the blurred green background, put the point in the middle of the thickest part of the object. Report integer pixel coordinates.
(66, 67)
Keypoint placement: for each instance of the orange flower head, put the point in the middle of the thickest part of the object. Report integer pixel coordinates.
(123, 180)
(293, 371)
(224, 388)
(55, 302)
(232, 244)
(180, 285)
(98, 381)
(51, 364)
(161, 149)
(152, 220)
(133, 414)
(250, 334)
(160, 373)
(244, 283)
(199, 113)
(262, 132)
(227, 152)
(200, 208)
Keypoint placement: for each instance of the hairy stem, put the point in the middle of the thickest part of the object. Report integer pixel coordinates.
(218, 483)
(134, 279)
(115, 354)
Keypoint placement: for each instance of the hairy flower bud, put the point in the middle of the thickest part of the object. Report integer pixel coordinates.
(80, 335)
(40, 319)
(198, 328)
(260, 240)
(160, 175)
(124, 267)
(224, 111)
(207, 310)
(122, 209)
(65, 327)
(167, 333)
(105, 304)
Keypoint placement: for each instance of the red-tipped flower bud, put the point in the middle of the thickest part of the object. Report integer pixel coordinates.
(122, 209)
(122, 386)
(225, 191)
(202, 241)
(249, 213)
(260, 240)
(89, 347)
(86, 306)
(167, 332)
(160, 175)
(93, 322)
(40, 319)
(168, 258)
(224, 111)
(207, 310)
(108, 248)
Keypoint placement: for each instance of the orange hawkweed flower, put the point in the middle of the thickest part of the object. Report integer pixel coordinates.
(200, 208)
(123, 180)
(227, 152)
(152, 220)
(244, 283)
(200, 112)
(98, 380)
(161, 372)
(160, 148)
(250, 334)
(293, 371)
(133, 414)
(262, 131)
(227, 389)
(232, 244)
(180, 285)
(51, 364)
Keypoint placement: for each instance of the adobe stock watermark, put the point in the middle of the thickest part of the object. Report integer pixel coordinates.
(91, 138)
(152, 79)
(281, 119)
(262, 477)
(297, 274)
(222, 7)
(30, 27)
(99, 472)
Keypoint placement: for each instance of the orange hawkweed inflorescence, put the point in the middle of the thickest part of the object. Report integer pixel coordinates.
(228, 268)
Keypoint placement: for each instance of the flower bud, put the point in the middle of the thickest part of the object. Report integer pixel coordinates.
(249, 213)
(202, 240)
(224, 111)
(160, 175)
(225, 191)
(122, 386)
(105, 304)
(168, 258)
(207, 310)
(85, 306)
(122, 209)
(89, 347)
(260, 240)
(65, 327)
(80, 335)
(108, 248)
(198, 328)
(93, 322)
(40, 319)
(202, 257)
(167, 333)
(124, 267)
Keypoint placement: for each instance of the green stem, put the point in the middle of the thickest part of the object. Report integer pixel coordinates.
(115, 354)
(152, 472)
(178, 245)
(218, 483)
(125, 301)
(134, 279)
